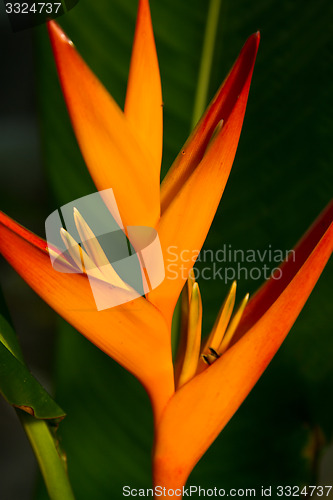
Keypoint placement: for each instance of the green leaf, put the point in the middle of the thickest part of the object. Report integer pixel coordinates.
(17, 385)
(7, 335)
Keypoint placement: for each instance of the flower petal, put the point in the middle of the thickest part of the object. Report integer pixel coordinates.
(107, 141)
(219, 109)
(185, 222)
(134, 333)
(143, 105)
(272, 288)
(215, 394)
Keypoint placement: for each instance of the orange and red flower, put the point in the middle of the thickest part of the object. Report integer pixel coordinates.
(123, 151)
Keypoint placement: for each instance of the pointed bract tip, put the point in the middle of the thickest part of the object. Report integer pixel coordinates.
(256, 38)
(251, 46)
(56, 33)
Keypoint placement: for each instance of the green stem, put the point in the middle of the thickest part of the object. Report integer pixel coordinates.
(206, 60)
(51, 464)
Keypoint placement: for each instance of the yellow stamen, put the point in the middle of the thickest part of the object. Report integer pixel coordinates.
(96, 253)
(74, 249)
(57, 256)
(185, 306)
(80, 257)
(192, 353)
(232, 327)
(215, 338)
(190, 284)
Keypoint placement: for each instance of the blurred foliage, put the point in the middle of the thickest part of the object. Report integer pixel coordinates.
(281, 179)
(17, 385)
(20, 388)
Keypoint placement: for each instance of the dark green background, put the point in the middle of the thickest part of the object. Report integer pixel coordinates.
(281, 180)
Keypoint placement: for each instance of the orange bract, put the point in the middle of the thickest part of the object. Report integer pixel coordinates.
(215, 394)
(112, 151)
(134, 334)
(144, 106)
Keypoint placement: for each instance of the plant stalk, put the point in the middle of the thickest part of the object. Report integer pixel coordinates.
(50, 462)
(200, 101)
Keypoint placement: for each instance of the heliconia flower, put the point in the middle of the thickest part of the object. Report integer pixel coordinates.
(193, 400)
